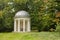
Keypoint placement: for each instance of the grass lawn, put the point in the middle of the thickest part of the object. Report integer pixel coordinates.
(30, 36)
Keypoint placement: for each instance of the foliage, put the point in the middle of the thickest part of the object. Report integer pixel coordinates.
(58, 27)
(58, 9)
(42, 13)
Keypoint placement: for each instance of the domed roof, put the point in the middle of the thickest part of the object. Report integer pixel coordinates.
(21, 14)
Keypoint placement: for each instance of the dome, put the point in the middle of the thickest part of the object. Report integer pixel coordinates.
(22, 14)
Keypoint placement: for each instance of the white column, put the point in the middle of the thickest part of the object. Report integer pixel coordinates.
(23, 25)
(14, 25)
(19, 25)
(28, 25)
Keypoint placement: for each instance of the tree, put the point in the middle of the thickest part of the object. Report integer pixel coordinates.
(42, 13)
(58, 10)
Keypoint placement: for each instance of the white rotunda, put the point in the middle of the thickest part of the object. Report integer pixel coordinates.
(22, 22)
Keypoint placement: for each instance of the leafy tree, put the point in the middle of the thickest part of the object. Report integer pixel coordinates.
(42, 13)
(58, 10)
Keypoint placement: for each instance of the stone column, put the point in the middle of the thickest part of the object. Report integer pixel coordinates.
(28, 25)
(23, 25)
(14, 25)
(19, 25)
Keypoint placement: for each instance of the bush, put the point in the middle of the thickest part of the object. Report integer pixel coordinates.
(58, 28)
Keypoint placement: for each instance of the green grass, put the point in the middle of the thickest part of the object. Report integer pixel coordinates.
(30, 36)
